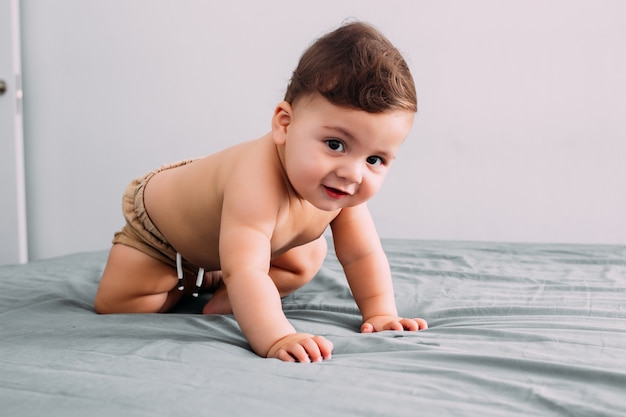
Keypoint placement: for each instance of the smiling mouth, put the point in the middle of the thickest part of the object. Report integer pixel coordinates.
(335, 193)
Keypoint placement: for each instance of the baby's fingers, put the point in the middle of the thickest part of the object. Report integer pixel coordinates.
(315, 349)
(285, 356)
(309, 352)
(422, 324)
(297, 352)
(378, 323)
(367, 328)
(393, 325)
(306, 350)
(412, 325)
(325, 346)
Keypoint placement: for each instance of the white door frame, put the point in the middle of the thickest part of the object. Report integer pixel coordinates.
(13, 235)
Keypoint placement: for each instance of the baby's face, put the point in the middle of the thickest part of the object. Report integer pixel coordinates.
(338, 157)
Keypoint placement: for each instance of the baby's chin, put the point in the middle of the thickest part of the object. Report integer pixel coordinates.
(332, 206)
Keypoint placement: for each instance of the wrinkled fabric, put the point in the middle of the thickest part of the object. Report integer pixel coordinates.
(515, 330)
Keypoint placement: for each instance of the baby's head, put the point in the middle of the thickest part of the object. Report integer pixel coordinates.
(355, 66)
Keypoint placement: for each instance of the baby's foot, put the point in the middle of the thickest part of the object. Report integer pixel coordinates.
(219, 303)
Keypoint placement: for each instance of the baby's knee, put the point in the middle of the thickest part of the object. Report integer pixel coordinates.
(103, 306)
(318, 251)
(310, 258)
(298, 266)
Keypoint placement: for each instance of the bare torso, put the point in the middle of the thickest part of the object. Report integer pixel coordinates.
(185, 203)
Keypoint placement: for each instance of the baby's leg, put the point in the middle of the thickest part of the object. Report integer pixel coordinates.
(296, 267)
(133, 282)
(289, 271)
(219, 303)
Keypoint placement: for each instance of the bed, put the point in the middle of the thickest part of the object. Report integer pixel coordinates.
(515, 329)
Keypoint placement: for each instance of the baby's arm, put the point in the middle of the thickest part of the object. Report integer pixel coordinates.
(366, 267)
(245, 253)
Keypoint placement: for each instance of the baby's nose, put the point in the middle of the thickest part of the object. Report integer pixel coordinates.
(352, 172)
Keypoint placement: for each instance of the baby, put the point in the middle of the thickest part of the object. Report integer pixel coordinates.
(253, 215)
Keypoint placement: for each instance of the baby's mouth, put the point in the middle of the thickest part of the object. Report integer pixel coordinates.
(334, 192)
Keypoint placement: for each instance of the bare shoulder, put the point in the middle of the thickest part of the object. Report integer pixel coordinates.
(253, 167)
(218, 168)
(252, 183)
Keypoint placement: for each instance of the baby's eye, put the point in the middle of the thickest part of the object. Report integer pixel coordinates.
(335, 145)
(375, 160)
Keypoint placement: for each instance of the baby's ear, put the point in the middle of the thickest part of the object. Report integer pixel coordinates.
(281, 121)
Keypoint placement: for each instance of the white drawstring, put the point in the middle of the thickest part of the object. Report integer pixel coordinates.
(199, 282)
(179, 271)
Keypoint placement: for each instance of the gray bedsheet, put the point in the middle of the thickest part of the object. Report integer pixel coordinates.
(516, 329)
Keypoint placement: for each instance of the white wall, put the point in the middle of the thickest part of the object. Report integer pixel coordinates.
(521, 134)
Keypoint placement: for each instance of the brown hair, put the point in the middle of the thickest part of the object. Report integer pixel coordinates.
(355, 66)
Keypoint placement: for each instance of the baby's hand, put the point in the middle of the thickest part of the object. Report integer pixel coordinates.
(301, 347)
(380, 323)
